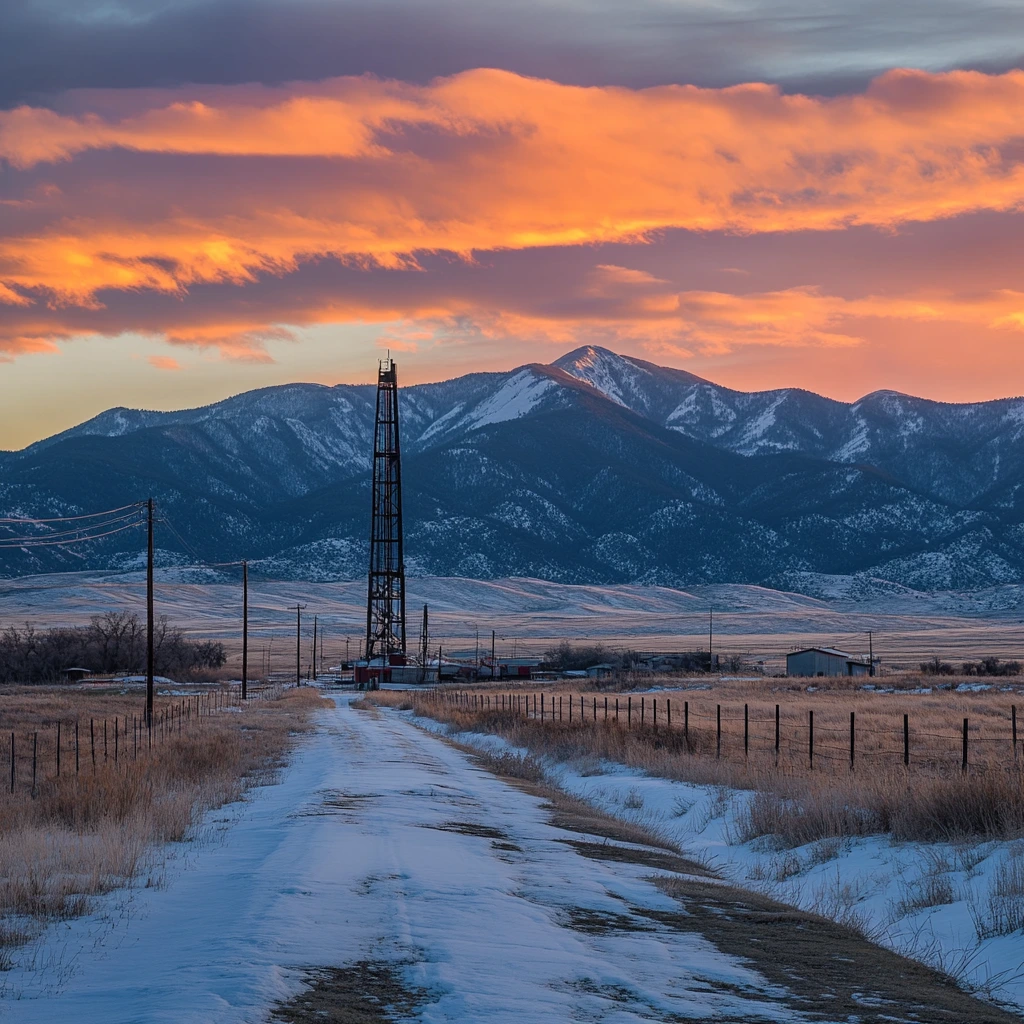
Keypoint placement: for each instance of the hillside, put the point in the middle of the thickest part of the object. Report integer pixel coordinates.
(597, 468)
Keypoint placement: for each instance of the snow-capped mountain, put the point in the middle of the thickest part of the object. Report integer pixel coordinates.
(598, 468)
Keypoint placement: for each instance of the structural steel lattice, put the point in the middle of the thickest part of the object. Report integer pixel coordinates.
(385, 605)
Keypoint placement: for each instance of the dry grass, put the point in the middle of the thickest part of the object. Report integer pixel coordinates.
(88, 833)
(795, 803)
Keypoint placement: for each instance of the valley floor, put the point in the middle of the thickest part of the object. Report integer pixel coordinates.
(389, 867)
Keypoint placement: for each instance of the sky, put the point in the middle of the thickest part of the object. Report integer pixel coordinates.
(199, 198)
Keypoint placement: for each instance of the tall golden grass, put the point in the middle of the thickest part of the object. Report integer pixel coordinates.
(86, 833)
(795, 801)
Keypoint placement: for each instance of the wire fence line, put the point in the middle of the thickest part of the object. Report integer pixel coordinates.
(78, 746)
(790, 739)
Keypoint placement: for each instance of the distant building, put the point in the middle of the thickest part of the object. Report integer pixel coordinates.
(600, 671)
(517, 668)
(826, 661)
(75, 674)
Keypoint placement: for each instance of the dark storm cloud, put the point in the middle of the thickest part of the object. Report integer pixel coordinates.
(50, 45)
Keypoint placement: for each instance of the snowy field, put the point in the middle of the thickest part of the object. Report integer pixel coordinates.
(382, 843)
(366, 849)
(530, 615)
(933, 902)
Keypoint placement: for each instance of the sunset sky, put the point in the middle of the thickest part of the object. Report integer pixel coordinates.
(199, 198)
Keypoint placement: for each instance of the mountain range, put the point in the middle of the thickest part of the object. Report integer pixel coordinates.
(597, 468)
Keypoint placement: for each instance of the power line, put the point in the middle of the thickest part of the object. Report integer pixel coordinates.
(40, 542)
(69, 519)
(74, 531)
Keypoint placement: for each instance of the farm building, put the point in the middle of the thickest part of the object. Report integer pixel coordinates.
(826, 661)
(600, 671)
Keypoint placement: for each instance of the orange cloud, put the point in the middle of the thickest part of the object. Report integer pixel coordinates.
(487, 160)
(164, 363)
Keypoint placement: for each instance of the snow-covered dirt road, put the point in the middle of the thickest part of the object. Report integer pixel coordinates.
(383, 844)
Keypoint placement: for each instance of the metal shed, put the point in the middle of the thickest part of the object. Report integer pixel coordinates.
(825, 661)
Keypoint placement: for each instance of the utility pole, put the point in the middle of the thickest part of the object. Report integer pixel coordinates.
(149, 615)
(298, 644)
(711, 640)
(424, 650)
(312, 665)
(245, 630)
(348, 660)
(871, 654)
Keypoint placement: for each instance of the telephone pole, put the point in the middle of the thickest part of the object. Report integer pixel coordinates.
(312, 664)
(298, 644)
(149, 615)
(711, 640)
(424, 652)
(245, 630)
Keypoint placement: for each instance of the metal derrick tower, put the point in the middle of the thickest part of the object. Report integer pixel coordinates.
(385, 603)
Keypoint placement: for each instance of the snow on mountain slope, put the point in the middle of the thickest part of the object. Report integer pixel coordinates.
(597, 468)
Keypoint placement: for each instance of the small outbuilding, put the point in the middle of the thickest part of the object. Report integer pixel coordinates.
(600, 671)
(826, 661)
(75, 674)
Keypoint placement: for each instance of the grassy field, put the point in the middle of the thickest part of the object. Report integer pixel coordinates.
(86, 832)
(799, 798)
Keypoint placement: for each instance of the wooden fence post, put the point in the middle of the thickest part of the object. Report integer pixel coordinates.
(629, 712)
(1013, 722)
(718, 745)
(963, 766)
(906, 741)
(852, 740)
(35, 749)
(76, 747)
(668, 712)
(686, 722)
(746, 730)
(58, 749)
(810, 739)
(12, 762)
(778, 734)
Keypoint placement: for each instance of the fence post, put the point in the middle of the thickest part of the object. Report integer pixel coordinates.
(906, 740)
(12, 762)
(852, 734)
(718, 744)
(58, 749)
(654, 711)
(595, 708)
(541, 706)
(35, 749)
(668, 713)
(629, 712)
(686, 723)
(76, 746)
(570, 705)
(1013, 721)
(642, 702)
(778, 735)
(117, 729)
(616, 710)
(810, 739)
(746, 730)
(963, 766)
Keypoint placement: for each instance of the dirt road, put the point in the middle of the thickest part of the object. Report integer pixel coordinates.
(389, 869)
